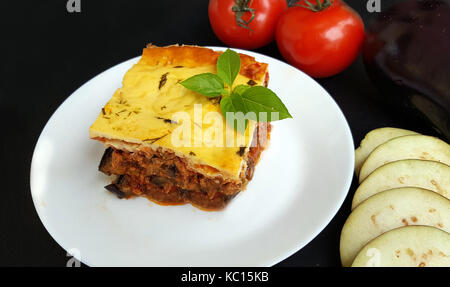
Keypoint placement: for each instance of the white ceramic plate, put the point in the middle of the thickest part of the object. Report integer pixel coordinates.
(298, 186)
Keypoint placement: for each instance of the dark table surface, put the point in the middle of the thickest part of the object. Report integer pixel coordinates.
(47, 53)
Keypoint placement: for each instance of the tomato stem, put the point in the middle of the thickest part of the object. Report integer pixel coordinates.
(320, 6)
(242, 7)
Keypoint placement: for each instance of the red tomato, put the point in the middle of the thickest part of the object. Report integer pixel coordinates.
(231, 21)
(321, 43)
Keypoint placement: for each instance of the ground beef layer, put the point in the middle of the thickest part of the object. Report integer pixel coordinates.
(163, 177)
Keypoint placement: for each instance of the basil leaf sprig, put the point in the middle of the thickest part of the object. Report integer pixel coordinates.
(253, 101)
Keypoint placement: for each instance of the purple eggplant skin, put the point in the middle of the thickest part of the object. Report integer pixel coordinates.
(406, 53)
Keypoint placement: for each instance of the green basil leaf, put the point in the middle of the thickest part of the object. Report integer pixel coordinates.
(228, 66)
(207, 84)
(260, 99)
(240, 89)
(234, 104)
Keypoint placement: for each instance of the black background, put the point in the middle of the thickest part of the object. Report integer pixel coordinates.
(47, 53)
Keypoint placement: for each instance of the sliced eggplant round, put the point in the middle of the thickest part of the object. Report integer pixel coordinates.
(388, 210)
(409, 246)
(406, 147)
(431, 175)
(373, 139)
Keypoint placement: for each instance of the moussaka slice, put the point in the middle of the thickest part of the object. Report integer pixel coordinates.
(170, 144)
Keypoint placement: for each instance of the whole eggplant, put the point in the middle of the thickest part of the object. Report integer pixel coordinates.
(407, 56)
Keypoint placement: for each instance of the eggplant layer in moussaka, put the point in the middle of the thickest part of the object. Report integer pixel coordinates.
(138, 124)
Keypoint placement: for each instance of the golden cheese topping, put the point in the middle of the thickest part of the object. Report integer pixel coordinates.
(152, 109)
